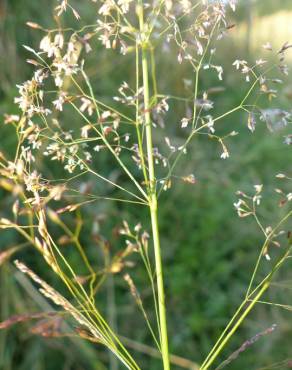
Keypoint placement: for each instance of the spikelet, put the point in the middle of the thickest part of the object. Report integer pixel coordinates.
(57, 298)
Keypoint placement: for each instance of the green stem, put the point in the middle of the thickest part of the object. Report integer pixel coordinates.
(152, 196)
(235, 327)
(160, 284)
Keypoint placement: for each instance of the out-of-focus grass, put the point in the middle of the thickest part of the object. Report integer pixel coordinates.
(209, 252)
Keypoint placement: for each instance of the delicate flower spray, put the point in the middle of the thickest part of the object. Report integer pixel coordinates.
(126, 127)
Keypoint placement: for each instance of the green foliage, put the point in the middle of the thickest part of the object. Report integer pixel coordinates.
(198, 228)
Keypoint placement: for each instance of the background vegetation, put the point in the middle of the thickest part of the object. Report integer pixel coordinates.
(208, 251)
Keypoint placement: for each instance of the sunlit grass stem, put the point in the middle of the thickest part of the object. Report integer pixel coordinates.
(152, 196)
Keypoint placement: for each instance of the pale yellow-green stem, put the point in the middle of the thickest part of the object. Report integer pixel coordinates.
(152, 193)
(235, 327)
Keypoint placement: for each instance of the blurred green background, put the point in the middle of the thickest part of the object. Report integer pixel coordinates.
(208, 251)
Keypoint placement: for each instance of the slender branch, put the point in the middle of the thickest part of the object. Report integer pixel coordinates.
(236, 326)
